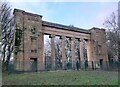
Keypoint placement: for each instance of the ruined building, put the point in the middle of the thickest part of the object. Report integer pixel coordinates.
(29, 41)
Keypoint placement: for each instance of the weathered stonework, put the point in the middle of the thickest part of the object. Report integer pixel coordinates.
(32, 41)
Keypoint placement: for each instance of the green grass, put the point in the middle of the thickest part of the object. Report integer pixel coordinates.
(62, 78)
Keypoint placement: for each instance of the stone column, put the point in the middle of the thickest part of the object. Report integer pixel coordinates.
(73, 52)
(63, 51)
(89, 53)
(53, 51)
(81, 53)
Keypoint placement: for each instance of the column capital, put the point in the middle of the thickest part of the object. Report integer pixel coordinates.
(52, 36)
(80, 39)
(88, 40)
(62, 37)
(72, 38)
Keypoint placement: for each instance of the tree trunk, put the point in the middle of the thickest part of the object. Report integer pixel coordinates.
(3, 53)
(119, 51)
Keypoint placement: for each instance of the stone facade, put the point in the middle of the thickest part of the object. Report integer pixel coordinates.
(30, 47)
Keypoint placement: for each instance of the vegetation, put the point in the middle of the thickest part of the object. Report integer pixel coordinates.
(6, 28)
(62, 78)
(113, 35)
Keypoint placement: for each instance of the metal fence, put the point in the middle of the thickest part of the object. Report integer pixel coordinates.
(71, 65)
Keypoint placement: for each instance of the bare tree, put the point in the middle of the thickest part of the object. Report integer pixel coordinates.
(113, 36)
(6, 28)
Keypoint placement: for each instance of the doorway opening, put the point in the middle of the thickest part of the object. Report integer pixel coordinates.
(33, 64)
(101, 63)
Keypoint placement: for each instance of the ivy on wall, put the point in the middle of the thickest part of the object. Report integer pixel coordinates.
(18, 36)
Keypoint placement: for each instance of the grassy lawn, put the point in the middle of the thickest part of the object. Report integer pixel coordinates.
(62, 78)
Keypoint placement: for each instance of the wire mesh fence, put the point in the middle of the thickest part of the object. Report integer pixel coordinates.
(34, 66)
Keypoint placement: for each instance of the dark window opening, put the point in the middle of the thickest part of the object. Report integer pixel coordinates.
(34, 51)
(100, 49)
(33, 31)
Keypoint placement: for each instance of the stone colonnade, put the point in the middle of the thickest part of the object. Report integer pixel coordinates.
(72, 39)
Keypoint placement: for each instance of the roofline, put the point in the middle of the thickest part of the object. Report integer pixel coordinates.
(28, 13)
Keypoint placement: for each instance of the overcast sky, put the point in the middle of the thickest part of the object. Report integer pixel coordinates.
(82, 14)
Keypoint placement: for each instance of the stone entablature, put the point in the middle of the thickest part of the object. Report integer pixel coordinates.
(64, 27)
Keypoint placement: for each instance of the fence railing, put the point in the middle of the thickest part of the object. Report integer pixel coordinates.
(27, 66)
